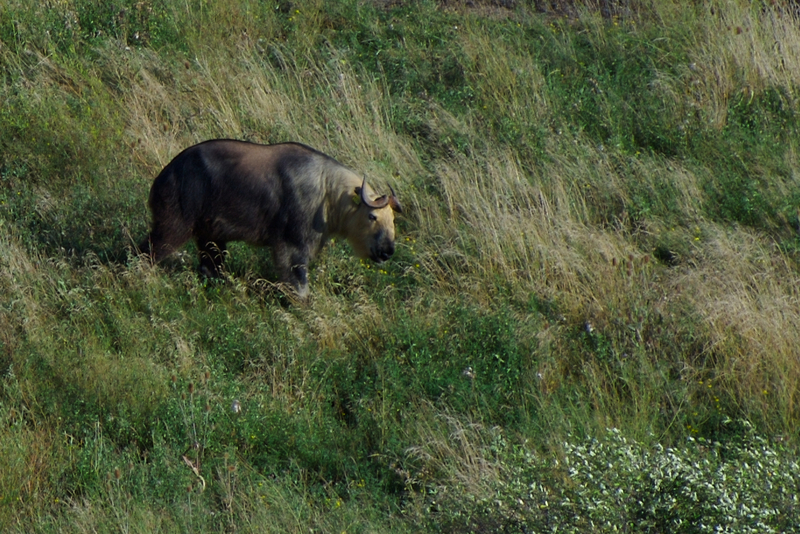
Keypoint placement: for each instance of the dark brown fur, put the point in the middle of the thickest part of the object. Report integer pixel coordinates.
(288, 197)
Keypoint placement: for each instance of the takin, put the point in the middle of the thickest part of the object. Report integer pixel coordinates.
(288, 197)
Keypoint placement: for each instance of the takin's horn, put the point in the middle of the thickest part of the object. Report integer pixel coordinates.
(378, 203)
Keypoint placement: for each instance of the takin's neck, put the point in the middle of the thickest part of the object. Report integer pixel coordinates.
(340, 204)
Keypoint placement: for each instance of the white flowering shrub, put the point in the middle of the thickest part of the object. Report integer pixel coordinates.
(613, 484)
(701, 487)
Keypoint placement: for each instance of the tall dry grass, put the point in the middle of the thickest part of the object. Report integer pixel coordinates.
(745, 292)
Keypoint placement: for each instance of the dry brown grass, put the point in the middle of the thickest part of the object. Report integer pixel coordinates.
(453, 450)
(747, 296)
(740, 50)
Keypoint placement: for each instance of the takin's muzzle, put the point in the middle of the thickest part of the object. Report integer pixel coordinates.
(382, 249)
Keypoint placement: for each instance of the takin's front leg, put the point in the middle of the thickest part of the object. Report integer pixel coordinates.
(212, 256)
(292, 264)
(164, 239)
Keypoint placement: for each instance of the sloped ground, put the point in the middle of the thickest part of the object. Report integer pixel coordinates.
(590, 322)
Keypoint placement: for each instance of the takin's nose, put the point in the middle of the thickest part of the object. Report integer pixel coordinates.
(385, 252)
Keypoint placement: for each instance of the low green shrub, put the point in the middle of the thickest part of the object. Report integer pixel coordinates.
(614, 484)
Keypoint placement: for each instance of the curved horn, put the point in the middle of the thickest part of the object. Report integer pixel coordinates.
(378, 203)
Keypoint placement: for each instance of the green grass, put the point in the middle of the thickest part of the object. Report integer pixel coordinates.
(591, 321)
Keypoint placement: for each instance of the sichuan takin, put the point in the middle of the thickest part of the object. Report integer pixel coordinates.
(288, 197)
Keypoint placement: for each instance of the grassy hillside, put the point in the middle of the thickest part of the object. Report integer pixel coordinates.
(591, 323)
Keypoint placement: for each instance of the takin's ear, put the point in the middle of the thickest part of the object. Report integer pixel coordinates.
(395, 204)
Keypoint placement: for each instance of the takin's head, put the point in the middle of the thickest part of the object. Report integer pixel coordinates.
(370, 228)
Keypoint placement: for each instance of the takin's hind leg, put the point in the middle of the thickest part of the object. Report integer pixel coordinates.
(212, 255)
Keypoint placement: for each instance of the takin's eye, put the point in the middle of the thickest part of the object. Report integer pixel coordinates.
(373, 217)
